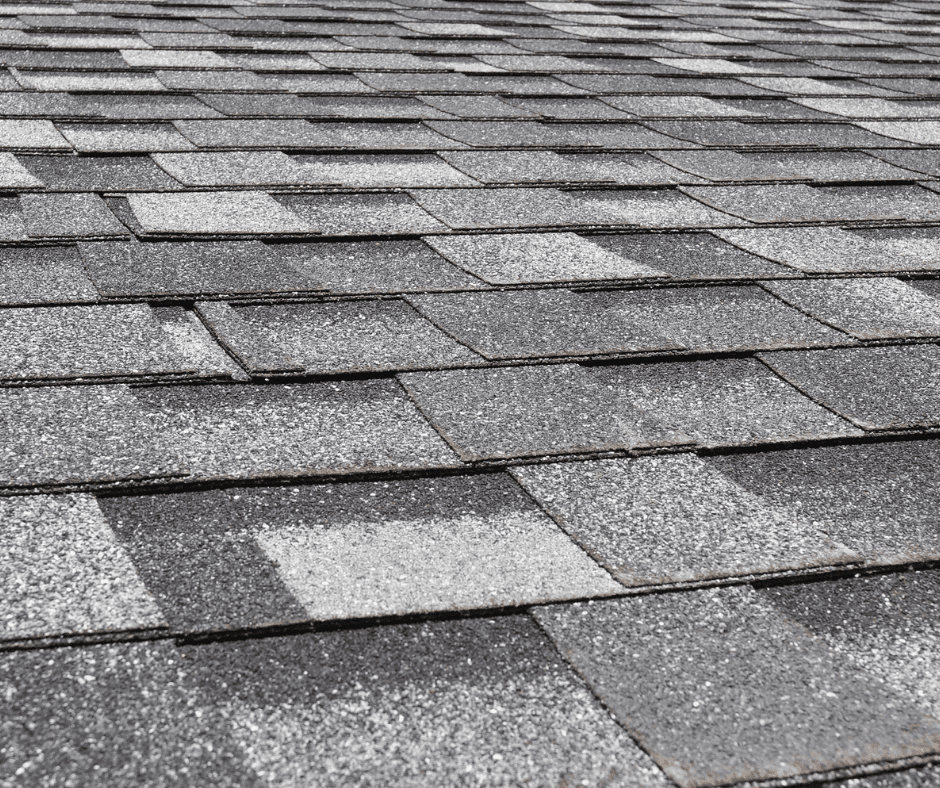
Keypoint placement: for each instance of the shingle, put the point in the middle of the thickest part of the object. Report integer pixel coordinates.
(673, 668)
(475, 107)
(32, 135)
(649, 208)
(215, 213)
(80, 215)
(877, 388)
(12, 227)
(603, 84)
(377, 136)
(280, 133)
(720, 318)
(64, 572)
(78, 434)
(465, 83)
(537, 167)
(294, 430)
(866, 308)
(498, 208)
(119, 713)
(13, 175)
(194, 345)
(895, 519)
(660, 521)
(922, 132)
(724, 402)
(184, 269)
(85, 341)
(362, 214)
(342, 549)
(198, 558)
(798, 203)
(376, 267)
(722, 133)
(269, 61)
(99, 173)
(175, 58)
(148, 107)
(380, 171)
(256, 352)
(920, 160)
(524, 411)
(213, 80)
(378, 107)
(871, 108)
(676, 107)
(43, 274)
(124, 137)
(692, 255)
(234, 168)
(89, 81)
(751, 166)
(538, 257)
(353, 337)
(533, 323)
(533, 133)
(440, 686)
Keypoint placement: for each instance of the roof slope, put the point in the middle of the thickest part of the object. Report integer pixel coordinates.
(464, 392)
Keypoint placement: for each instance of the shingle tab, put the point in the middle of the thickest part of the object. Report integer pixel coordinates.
(69, 216)
(877, 388)
(32, 135)
(482, 209)
(533, 323)
(520, 411)
(378, 171)
(236, 168)
(124, 137)
(662, 521)
(673, 669)
(294, 430)
(44, 274)
(539, 257)
(723, 403)
(362, 214)
(100, 174)
(650, 208)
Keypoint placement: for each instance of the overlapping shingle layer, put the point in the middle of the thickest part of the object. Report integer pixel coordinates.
(453, 392)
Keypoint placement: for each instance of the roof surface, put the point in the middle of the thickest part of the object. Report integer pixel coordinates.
(467, 392)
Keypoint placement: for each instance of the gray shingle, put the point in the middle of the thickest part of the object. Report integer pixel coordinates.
(376, 267)
(498, 208)
(44, 274)
(673, 669)
(215, 213)
(520, 411)
(919, 160)
(362, 214)
(198, 558)
(89, 81)
(536, 167)
(342, 549)
(377, 136)
(475, 107)
(649, 208)
(99, 173)
(877, 388)
(922, 132)
(124, 137)
(533, 323)
(676, 107)
(69, 216)
(128, 106)
(380, 171)
(728, 402)
(194, 345)
(571, 108)
(235, 168)
(121, 713)
(881, 499)
(182, 269)
(279, 691)
(213, 80)
(717, 318)
(13, 175)
(78, 435)
(294, 430)
(32, 135)
(279, 133)
(689, 255)
(355, 336)
(85, 341)
(90, 586)
(866, 308)
(661, 521)
(538, 257)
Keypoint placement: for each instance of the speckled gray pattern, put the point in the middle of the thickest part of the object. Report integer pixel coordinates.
(519, 411)
(500, 709)
(533, 323)
(64, 572)
(723, 402)
(718, 318)
(293, 430)
(689, 673)
(363, 214)
(46, 274)
(354, 336)
(482, 209)
(351, 550)
(537, 257)
(661, 521)
(877, 388)
(77, 435)
(376, 171)
(69, 216)
(881, 308)
(232, 168)
(659, 208)
(124, 137)
(215, 213)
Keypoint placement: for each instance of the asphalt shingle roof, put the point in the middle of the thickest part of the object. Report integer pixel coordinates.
(430, 393)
